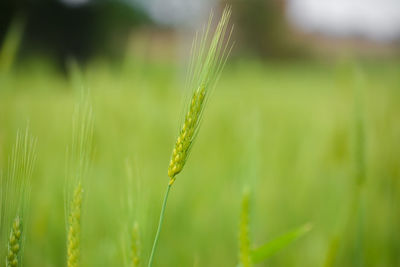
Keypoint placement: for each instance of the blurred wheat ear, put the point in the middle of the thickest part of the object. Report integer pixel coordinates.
(209, 54)
(134, 202)
(14, 244)
(77, 170)
(74, 228)
(135, 246)
(353, 224)
(15, 191)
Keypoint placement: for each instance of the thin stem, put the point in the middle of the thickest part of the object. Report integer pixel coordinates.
(159, 225)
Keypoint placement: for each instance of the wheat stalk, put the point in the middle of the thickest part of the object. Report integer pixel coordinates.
(134, 205)
(209, 54)
(244, 239)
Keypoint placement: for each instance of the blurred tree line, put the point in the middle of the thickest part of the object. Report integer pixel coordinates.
(59, 29)
(261, 28)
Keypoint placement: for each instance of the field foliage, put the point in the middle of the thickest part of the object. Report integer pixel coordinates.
(286, 130)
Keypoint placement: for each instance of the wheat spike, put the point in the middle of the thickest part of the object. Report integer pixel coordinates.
(15, 191)
(77, 171)
(135, 246)
(208, 59)
(14, 243)
(185, 138)
(205, 68)
(74, 229)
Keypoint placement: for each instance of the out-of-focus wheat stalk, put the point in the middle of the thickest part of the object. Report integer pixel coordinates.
(244, 239)
(135, 246)
(353, 225)
(134, 211)
(77, 170)
(15, 192)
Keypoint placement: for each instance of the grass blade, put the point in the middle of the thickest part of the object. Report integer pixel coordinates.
(267, 250)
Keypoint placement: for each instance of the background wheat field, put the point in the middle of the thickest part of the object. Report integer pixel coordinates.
(297, 162)
(286, 130)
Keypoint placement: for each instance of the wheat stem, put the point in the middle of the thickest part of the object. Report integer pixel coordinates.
(244, 238)
(159, 225)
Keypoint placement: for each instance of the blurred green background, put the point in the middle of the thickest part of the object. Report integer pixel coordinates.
(292, 117)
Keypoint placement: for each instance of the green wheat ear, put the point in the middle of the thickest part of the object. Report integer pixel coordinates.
(74, 228)
(209, 55)
(134, 202)
(244, 239)
(15, 190)
(135, 246)
(14, 244)
(77, 171)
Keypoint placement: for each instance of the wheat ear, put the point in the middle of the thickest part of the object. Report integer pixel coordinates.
(209, 55)
(205, 70)
(15, 193)
(74, 229)
(14, 243)
(79, 159)
(135, 246)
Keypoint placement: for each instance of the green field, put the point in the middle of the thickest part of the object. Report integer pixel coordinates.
(295, 133)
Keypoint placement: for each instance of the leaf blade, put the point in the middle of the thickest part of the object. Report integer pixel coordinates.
(270, 248)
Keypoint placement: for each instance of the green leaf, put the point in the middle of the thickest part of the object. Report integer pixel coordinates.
(270, 248)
